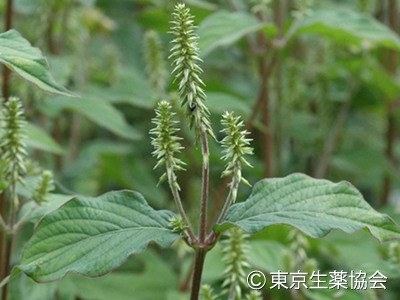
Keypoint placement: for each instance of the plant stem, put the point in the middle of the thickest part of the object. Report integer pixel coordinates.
(331, 142)
(198, 272)
(205, 183)
(74, 137)
(58, 137)
(3, 198)
(7, 26)
(391, 130)
(9, 239)
(173, 186)
(229, 199)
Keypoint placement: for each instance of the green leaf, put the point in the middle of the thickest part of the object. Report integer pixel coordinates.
(19, 55)
(224, 28)
(315, 206)
(218, 103)
(99, 111)
(38, 138)
(92, 236)
(152, 282)
(349, 27)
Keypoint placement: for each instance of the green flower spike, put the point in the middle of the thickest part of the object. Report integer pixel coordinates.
(12, 147)
(155, 64)
(185, 55)
(207, 293)
(43, 188)
(235, 146)
(166, 143)
(235, 250)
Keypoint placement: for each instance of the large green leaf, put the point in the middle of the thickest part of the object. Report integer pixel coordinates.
(349, 27)
(315, 206)
(97, 110)
(19, 55)
(37, 138)
(224, 28)
(218, 103)
(92, 236)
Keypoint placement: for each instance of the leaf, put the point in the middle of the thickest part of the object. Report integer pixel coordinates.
(315, 206)
(19, 55)
(266, 255)
(100, 112)
(132, 88)
(348, 27)
(151, 283)
(92, 236)
(35, 212)
(218, 103)
(37, 138)
(224, 28)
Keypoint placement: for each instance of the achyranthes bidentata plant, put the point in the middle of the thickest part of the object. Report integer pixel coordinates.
(93, 236)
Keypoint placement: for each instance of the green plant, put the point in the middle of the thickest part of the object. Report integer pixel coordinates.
(94, 235)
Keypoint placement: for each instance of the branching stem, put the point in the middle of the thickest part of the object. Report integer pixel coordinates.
(175, 193)
(229, 199)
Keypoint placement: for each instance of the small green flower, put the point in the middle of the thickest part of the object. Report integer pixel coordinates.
(207, 293)
(12, 146)
(235, 146)
(185, 54)
(165, 142)
(254, 295)
(178, 224)
(44, 186)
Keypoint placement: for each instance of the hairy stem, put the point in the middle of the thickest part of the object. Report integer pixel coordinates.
(205, 183)
(198, 272)
(229, 199)
(173, 187)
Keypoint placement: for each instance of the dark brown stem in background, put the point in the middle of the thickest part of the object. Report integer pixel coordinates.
(4, 248)
(331, 142)
(57, 135)
(389, 151)
(198, 272)
(267, 141)
(74, 139)
(3, 236)
(184, 287)
(51, 43)
(280, 9)
(391, 67)
(6, 71)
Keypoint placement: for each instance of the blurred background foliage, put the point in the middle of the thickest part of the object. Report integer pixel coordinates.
(317, 82)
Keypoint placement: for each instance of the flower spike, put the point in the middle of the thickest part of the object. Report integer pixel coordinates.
(235, 146)
(155, 64)
(165, 142)
(185, 55)
(12, 146)
(44, 187)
